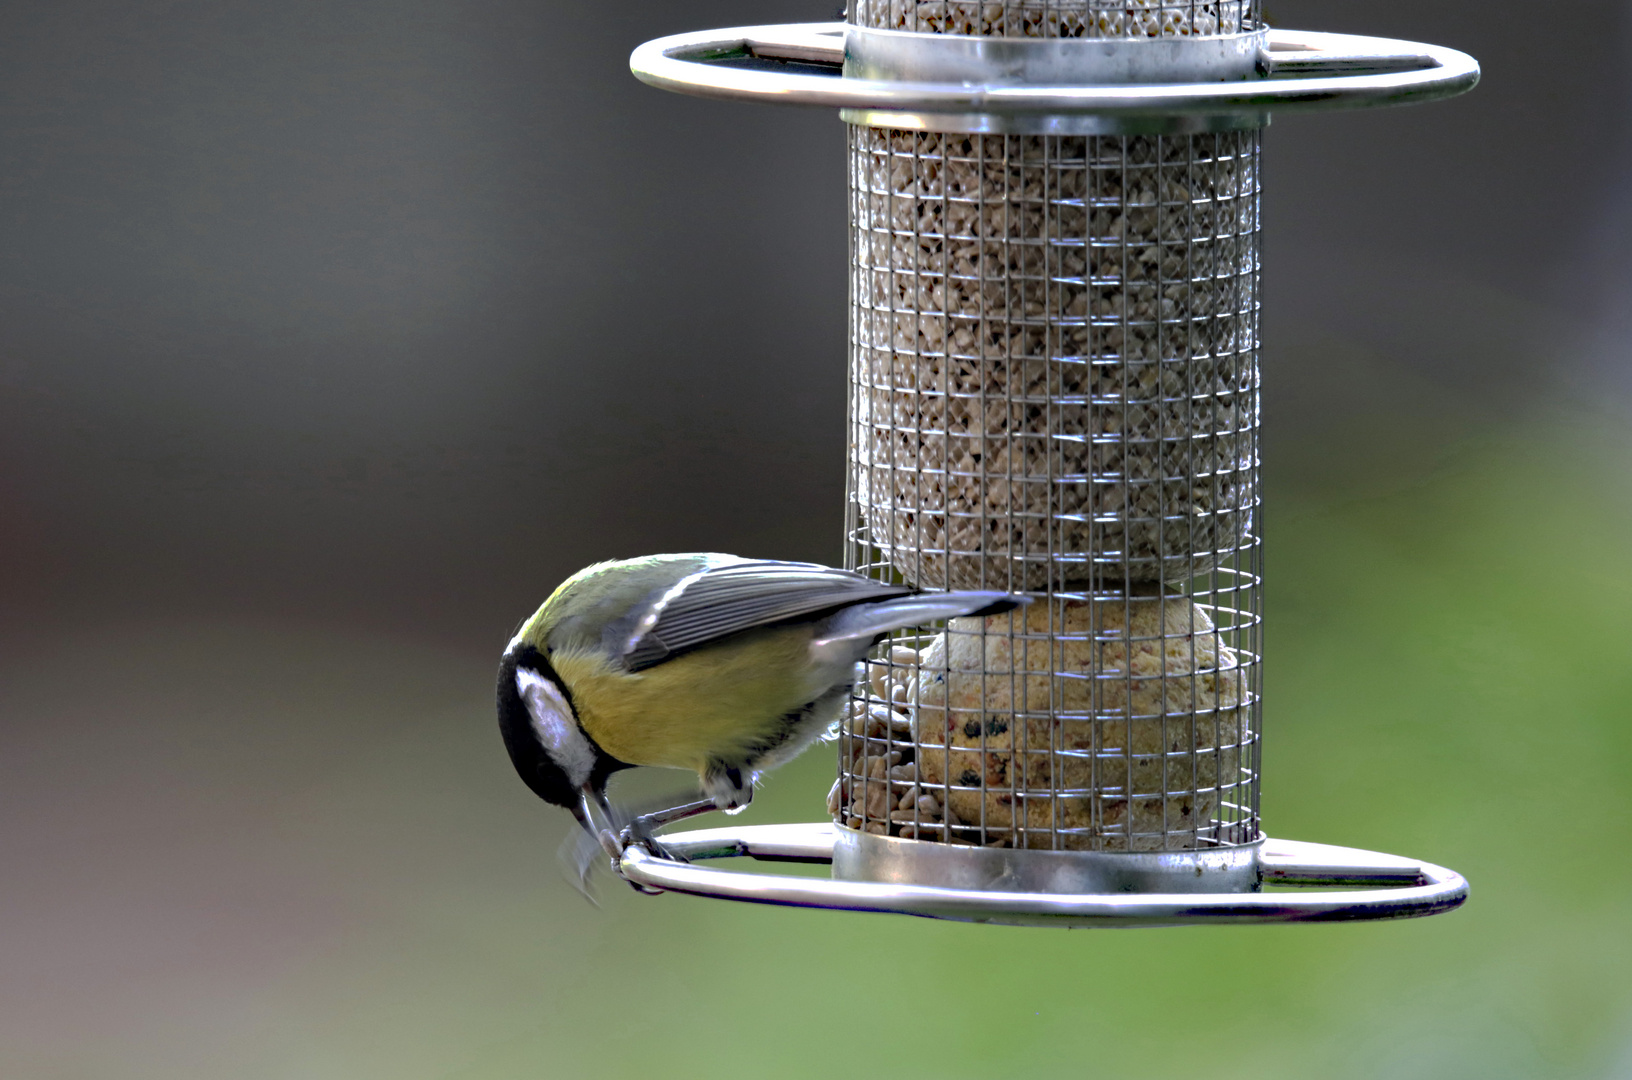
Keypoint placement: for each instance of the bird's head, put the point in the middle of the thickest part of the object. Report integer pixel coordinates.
(550, 750)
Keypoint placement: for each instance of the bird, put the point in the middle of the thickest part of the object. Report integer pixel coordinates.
(724, 666)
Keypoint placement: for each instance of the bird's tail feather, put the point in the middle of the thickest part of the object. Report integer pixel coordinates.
(868, 621)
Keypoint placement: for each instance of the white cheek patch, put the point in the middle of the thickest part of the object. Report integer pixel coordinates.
(554, 726)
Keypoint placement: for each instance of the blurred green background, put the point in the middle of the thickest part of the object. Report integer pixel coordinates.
(335, 334)
(329, 876)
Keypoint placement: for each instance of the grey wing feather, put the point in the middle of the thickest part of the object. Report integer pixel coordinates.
(729, 599)
(866, 623)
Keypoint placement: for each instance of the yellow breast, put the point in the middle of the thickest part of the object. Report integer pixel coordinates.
(716, 702)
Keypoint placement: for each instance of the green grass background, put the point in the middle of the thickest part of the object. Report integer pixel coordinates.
(334, 875)
(1449, 676)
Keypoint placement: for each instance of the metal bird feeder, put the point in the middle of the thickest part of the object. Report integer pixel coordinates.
(1054, 389)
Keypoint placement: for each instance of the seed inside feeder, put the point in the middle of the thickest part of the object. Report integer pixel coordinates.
(1055, 354)
(1058, 18)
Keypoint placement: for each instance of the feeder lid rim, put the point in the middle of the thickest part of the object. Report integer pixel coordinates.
(801, 64)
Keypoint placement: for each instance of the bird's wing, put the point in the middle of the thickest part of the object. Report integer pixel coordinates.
(722, 600)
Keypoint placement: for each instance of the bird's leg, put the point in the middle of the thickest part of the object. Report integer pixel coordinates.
(643, 829)
(601, 825)
(660, 818)
(578, 852)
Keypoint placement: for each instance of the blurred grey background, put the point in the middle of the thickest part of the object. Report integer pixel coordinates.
(333, 335)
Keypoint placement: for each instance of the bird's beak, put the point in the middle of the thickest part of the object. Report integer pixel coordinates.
(595, 818)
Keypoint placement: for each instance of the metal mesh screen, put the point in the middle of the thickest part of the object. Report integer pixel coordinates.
(1054, 389)
(1060, 18)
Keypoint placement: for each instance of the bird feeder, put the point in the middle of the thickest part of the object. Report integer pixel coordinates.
(1054, 390)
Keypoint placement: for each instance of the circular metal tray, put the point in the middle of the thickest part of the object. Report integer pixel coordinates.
(1366, 885)
(804, 64)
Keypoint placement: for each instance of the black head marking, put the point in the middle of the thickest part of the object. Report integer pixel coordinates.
(537, 769)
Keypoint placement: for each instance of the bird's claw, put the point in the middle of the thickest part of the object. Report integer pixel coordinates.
(602, 834)
(640, 831)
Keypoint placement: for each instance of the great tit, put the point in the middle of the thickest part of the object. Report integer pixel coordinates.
(725, 666)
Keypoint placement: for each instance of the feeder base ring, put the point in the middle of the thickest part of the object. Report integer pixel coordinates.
(1367, 885)
(863, 856)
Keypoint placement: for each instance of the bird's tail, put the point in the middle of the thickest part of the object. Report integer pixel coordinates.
(869, 621)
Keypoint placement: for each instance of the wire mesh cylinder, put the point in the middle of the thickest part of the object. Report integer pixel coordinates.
(1054, 354)
(1054, 389)
(1059, 18)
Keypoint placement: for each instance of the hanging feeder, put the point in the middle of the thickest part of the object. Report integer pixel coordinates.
(1054, 390)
